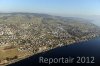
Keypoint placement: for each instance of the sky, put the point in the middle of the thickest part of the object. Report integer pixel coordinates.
(54, 7)
(60, 7)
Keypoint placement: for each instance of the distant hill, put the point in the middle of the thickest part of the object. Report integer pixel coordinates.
(40, 19)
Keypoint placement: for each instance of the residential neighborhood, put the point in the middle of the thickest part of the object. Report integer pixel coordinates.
(22, 35)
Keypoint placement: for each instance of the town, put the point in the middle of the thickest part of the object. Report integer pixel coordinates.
(23, 35)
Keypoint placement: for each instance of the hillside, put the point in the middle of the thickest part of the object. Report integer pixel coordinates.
(25, 34)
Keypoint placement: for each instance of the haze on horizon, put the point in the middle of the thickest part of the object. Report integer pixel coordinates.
(54, 7)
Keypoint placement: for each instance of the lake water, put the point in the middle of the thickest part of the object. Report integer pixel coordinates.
(86, 49)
